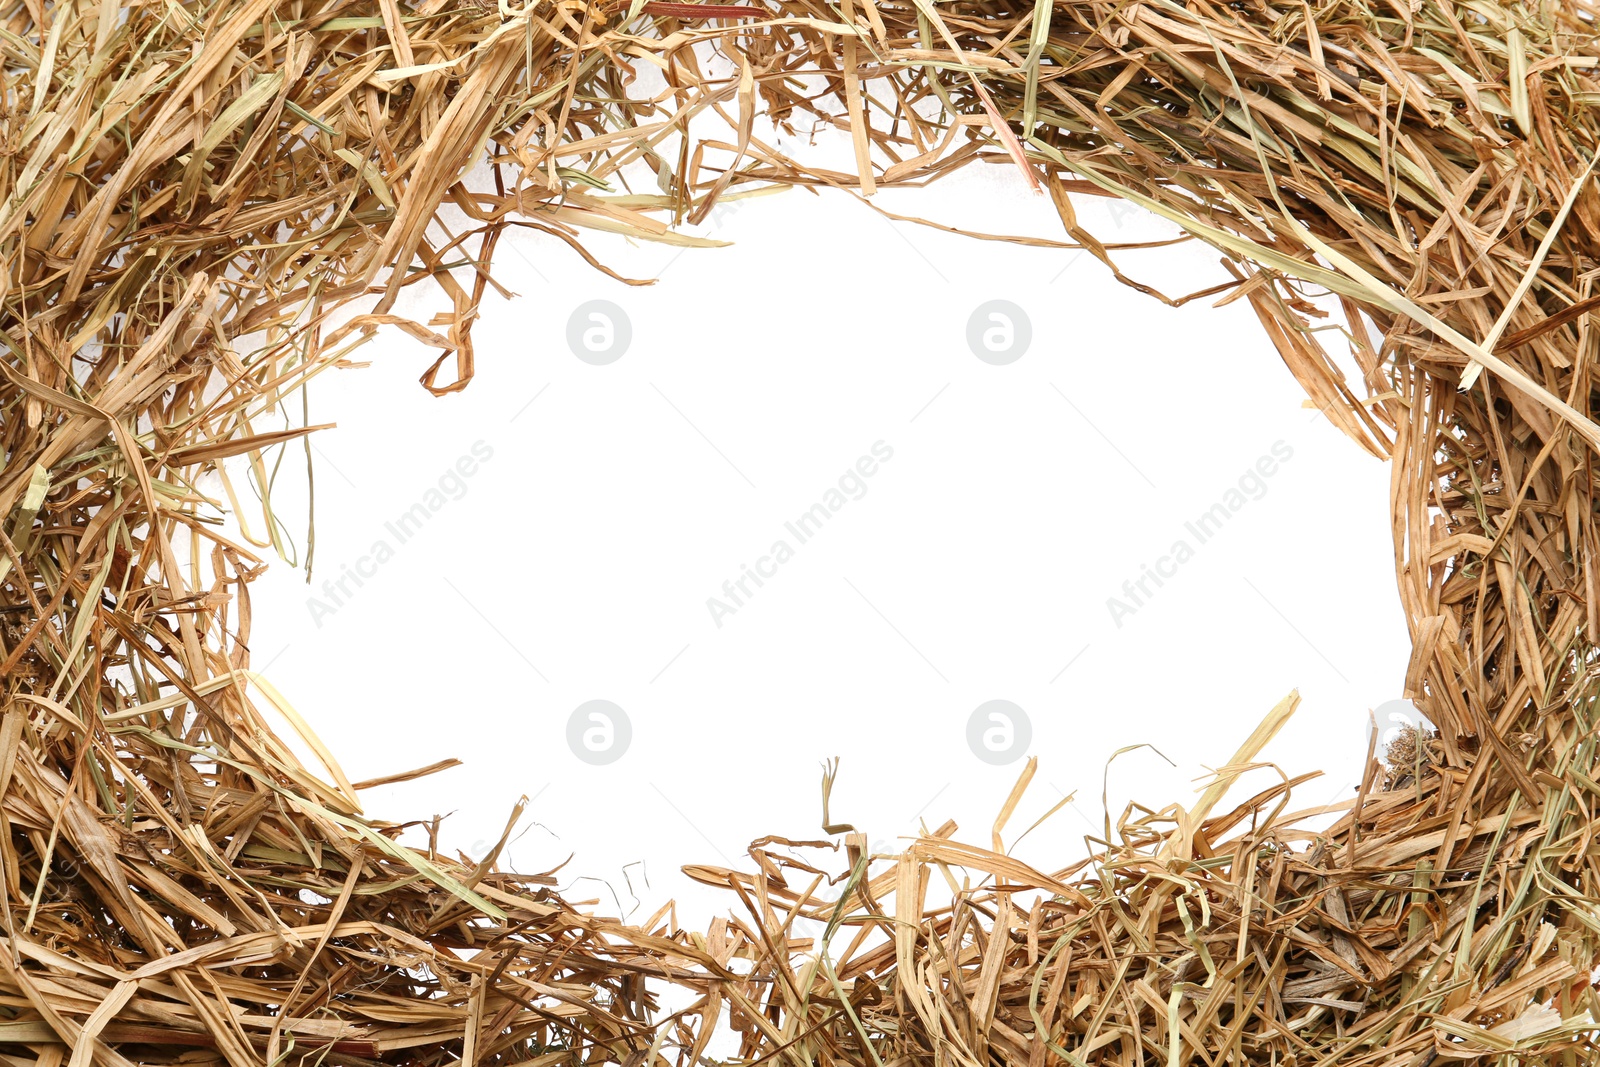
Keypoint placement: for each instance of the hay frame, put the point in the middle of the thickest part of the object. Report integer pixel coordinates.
(178, 178)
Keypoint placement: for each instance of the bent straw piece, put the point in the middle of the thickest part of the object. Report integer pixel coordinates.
(1179, 844)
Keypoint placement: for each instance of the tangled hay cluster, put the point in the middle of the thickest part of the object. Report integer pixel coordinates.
(190, 192)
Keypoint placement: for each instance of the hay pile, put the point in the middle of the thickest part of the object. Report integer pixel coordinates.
(189, 192)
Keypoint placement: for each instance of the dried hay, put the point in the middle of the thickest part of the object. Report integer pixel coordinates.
(180, 178)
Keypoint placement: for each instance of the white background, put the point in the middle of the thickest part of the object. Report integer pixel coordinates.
(977, 565)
